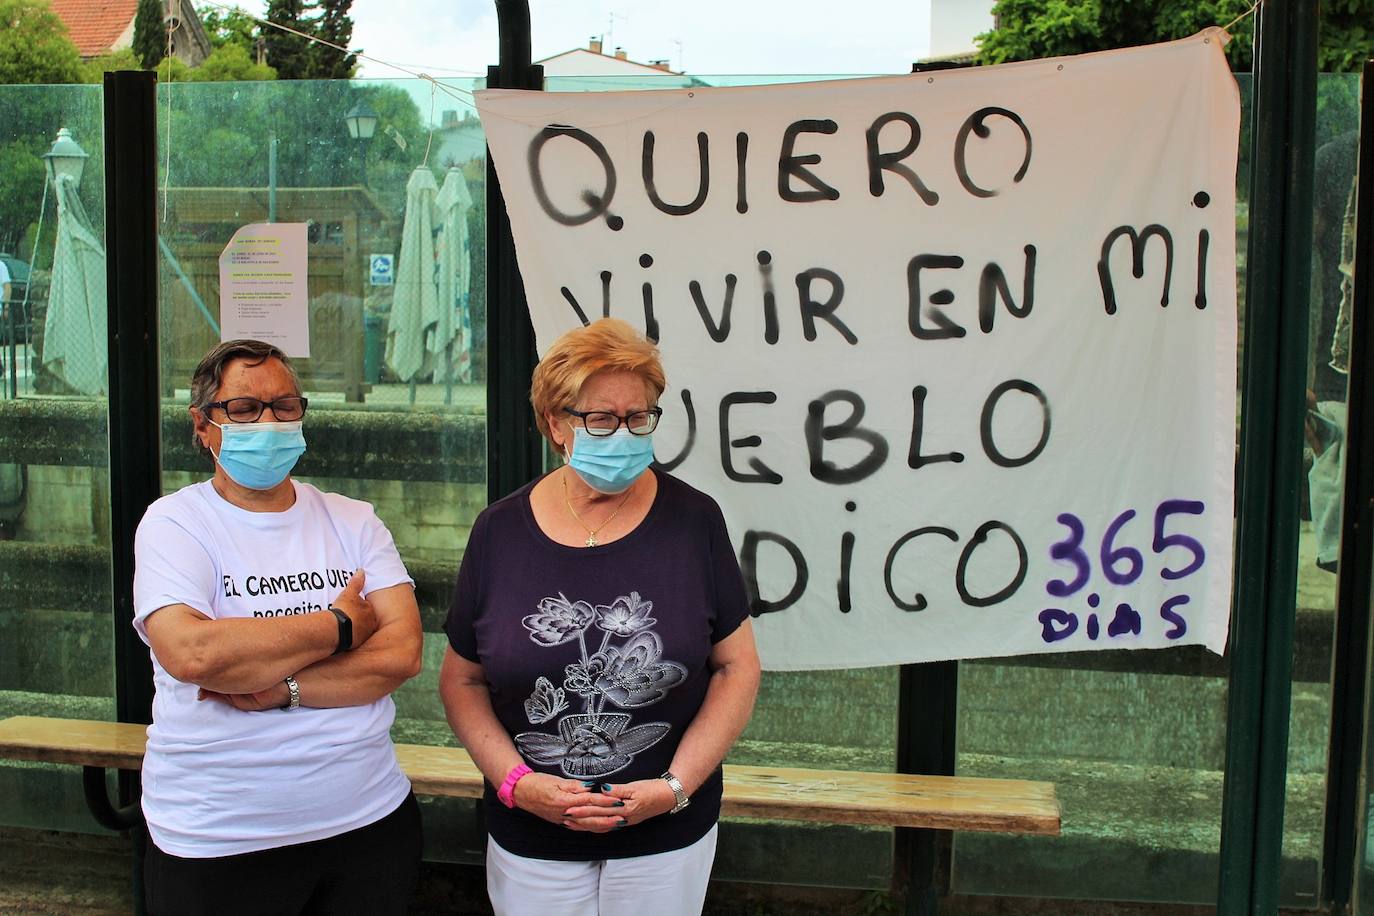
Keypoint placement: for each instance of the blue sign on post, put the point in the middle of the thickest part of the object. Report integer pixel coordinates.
(380, 269)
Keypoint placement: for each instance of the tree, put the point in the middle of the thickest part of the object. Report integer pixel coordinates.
(288, 54)
(34, 47)
(230, 63)
(335, 26)
(229, 27)
(1028, 29)
(296, 58)
(94, 70)
(150, 33)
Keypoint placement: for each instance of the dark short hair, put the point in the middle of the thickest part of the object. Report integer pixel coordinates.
(209, 374)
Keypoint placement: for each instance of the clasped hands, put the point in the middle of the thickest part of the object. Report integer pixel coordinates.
(593, 806)
(359, 610)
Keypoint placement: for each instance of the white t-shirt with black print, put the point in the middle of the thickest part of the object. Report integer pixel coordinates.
(218, 781)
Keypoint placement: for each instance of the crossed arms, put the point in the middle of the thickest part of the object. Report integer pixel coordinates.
(244, 661)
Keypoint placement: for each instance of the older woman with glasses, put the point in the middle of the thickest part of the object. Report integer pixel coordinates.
(280, 619)
(601, 661)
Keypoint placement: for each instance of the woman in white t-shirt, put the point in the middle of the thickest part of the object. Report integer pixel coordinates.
(280, 619)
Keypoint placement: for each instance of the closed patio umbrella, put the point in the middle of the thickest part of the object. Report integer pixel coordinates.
(415, 304)
(451, 344)
(75, 348)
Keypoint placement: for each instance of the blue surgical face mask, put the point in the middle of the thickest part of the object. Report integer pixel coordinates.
(260, 455)
(609, 464)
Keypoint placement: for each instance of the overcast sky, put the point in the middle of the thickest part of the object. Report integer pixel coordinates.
(459, 37)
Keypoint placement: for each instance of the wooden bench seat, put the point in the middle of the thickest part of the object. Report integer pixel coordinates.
(828, 796)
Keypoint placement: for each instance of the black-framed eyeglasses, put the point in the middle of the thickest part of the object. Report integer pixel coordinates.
(603, 423)
(247, 410)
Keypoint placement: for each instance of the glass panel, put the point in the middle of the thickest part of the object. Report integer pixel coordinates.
(1363, 896)
(1134, 741)
(1337, 150)
(56, 655)
(397, 412)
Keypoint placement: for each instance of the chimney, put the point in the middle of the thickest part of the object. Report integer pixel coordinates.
(450, 119)
(660, 65)
(594, 46)
(620, 54)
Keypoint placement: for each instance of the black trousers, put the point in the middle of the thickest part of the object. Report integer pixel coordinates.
(371, 870)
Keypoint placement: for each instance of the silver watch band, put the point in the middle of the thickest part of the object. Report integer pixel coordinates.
(679, 793)
(295, 689)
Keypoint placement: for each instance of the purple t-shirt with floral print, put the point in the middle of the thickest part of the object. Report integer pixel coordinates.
(596, 657)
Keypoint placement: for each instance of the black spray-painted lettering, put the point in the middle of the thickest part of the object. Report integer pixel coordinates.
(598, 203)
(914, 458)
(741, 155)
(977, 124)
(581, 314)
(811, 309)
(846, 559)
(818, 433)
(993, 285)
(770, 299)
(673, 463)
(961, 574)
(792, 166)
(646, 292)
(719, 332)
(703, 181)
(879, 161)
(762, 472)
(1138, 242)
(918, 602)
(995, 454)
(944, 325)
(749, 565)
(1204, 239)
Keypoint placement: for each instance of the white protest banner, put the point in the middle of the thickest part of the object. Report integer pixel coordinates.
(955, 351)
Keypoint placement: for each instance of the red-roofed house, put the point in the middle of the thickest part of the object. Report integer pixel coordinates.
(98, 27)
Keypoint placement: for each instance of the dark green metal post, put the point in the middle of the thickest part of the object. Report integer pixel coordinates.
(927, 703)
(135, 428)
(514, 453)
(1345, 805)
(1274, 374)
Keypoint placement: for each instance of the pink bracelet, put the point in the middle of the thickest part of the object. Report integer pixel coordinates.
(507, 791)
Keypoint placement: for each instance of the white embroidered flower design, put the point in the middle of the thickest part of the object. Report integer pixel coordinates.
(633, 675)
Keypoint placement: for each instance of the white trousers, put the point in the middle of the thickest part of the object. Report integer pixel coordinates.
(665, 884)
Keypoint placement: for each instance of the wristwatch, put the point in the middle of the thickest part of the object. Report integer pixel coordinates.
(679, 793)
(345, 630)
(295, 689)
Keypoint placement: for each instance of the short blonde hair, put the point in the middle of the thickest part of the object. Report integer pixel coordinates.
(607, 344)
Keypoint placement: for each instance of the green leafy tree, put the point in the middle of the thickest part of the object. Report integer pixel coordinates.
(230, 63)
(150, 33)
(94, 70)
(34, 46)
(1029, 29)
(229, 27)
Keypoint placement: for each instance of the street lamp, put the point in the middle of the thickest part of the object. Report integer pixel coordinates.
(66, 158)
(362, 124)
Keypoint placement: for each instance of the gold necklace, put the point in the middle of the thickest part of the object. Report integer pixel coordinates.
(591, 532)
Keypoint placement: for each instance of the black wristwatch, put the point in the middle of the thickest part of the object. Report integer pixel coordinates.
(345, 630)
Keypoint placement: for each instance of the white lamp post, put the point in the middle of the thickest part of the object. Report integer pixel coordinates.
(362, 124)
(66, 158)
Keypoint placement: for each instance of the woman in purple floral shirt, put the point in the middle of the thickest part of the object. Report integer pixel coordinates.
(601, 660)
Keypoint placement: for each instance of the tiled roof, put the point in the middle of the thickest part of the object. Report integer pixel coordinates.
(94, 25)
